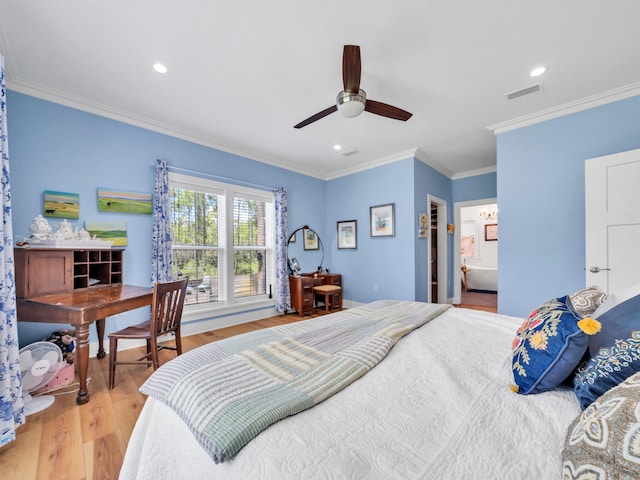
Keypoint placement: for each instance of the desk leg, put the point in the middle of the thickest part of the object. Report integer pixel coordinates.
(82, 360)
(100, 329)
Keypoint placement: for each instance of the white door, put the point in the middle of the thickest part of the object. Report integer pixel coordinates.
(612, 206)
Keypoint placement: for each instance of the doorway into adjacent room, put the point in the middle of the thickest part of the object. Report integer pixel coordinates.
(437, 252)
(476, 258)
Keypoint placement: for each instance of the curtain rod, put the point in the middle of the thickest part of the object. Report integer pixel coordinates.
(218, 177)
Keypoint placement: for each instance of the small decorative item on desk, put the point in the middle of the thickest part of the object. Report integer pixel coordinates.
(65, 236)
(40, 229)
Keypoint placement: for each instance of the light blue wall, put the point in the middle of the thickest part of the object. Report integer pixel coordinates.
(53, 147)
(541, 200)
(475, 188)
(384, 262)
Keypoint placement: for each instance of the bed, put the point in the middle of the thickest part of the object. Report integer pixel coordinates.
(439, 406)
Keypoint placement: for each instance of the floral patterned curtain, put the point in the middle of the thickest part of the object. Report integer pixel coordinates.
(161, 248)
(283, 294)
(11, 403)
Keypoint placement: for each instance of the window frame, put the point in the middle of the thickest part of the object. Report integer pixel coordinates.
(229, 303)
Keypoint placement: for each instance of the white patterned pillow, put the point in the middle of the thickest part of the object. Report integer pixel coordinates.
(586, 301)
(603, 442)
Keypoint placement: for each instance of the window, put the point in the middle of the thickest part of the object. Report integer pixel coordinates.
(223, 239)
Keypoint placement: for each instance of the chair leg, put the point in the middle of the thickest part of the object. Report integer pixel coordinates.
(178, 341)
(149, 354)
(113, 351)
(154, 353)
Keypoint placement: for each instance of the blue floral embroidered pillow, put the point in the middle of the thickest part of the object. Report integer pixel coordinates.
(615, 351)
(548, 347)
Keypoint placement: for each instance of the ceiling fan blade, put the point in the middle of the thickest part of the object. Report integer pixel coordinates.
(388, 111)
(351, 68)
(317, 116)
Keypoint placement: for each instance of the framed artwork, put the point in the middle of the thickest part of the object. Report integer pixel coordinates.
(423, 230)
(310, 240)
(347, 234)
(382, 220)
(468, 239)
(490, 232)
(125, 202)
(61, 205)
(115, 232)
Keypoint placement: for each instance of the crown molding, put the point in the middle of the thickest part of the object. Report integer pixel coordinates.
(475, 173)
(427, 160)
(118, 115)
(586, 103)
(374, 163)
(101, 110)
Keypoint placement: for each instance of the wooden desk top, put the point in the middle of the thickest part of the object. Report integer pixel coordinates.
(85, 305)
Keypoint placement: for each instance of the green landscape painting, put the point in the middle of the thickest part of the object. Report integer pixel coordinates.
(125, 202)
(61, 205)
(115, 232)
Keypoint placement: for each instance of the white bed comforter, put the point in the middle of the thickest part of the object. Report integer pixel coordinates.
(438, 407)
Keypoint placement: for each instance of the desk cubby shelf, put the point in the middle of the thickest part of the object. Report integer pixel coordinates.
(41, 271)
(96, 267)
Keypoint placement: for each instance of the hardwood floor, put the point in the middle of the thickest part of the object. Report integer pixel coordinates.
(479, 301)
(70, 441)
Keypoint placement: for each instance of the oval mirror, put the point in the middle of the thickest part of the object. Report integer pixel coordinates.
(304, 251)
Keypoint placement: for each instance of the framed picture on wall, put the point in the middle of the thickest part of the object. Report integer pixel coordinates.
(491, 232)
(347, 234)
(423, 231)
(310, 240)
(61, 205)
(382, 220)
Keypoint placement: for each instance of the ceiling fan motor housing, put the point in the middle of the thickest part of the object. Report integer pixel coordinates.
(351, 104)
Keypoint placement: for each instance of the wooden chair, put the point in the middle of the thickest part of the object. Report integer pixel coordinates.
(166, 314)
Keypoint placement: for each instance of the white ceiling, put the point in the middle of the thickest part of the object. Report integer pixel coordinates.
(243, 72)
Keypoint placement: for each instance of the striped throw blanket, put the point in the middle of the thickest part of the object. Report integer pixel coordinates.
(230, 390)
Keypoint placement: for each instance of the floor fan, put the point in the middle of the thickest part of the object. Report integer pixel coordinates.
(39, 364)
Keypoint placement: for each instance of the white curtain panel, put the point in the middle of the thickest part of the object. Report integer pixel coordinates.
(161, 261)
(283, 295)
(11, 403)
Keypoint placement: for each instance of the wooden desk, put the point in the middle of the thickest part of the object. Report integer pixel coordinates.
(81, 308)
(302, 298)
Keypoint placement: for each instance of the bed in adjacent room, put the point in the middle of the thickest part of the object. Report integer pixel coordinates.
(440, 405)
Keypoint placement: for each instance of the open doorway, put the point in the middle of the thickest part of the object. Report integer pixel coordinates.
(437, 254)
(476, 257)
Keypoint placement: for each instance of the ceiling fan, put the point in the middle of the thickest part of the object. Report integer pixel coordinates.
(352, 100)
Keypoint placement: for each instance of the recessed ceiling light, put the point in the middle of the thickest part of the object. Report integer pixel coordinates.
(160, 68)
(337, 147)
(536, 72)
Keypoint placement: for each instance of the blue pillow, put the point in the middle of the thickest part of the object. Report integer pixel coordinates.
(548, 347)
(620, 318)
(615, 352)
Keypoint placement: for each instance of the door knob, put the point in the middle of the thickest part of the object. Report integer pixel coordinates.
(596, 269)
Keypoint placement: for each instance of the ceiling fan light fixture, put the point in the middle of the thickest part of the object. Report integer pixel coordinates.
(351, 104)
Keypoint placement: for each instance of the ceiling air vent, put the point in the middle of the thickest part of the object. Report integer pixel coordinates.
(524, 92)
(348, 153)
